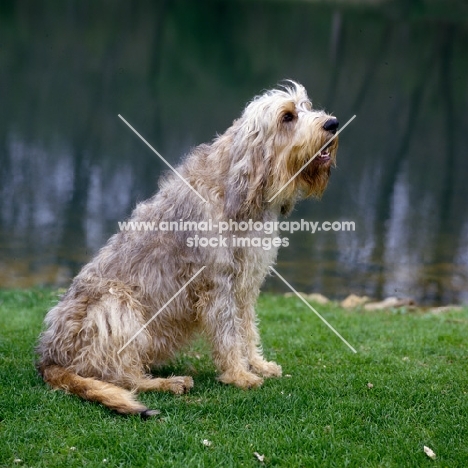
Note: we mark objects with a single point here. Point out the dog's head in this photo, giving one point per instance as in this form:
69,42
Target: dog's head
281,150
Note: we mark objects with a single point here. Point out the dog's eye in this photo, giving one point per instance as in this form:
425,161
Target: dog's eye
288,117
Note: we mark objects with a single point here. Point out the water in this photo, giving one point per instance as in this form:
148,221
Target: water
180,72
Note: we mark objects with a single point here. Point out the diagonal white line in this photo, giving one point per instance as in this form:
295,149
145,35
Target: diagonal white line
167,164
161,309
311,159
314,311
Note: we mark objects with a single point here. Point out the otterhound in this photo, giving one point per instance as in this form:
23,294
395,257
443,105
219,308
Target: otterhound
98,343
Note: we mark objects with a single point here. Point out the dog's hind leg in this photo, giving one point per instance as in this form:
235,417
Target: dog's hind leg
177,385
110,395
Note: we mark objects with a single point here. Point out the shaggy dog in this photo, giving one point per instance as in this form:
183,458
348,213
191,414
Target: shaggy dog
130,309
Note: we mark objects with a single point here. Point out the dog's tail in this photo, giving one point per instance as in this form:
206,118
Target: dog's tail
112,396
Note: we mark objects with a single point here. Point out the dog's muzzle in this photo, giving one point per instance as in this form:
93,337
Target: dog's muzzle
331,125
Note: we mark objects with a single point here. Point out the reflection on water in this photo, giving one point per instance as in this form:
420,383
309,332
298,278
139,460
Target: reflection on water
180,72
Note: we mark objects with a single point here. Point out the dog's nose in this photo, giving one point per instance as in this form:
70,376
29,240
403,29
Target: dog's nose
331,125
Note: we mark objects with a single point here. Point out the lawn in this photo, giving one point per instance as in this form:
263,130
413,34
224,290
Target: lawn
406,387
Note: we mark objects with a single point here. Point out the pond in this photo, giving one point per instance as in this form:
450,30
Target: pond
180,72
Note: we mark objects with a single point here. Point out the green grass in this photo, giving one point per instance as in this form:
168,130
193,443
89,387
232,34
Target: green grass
322,414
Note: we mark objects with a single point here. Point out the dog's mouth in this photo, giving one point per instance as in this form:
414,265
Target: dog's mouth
325,155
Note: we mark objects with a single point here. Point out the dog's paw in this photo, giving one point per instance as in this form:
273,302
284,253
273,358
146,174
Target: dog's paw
180,385
266,369
241,379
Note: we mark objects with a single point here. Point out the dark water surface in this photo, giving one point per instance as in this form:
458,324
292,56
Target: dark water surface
182,71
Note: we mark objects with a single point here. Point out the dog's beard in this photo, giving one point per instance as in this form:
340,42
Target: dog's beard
311,182
315,178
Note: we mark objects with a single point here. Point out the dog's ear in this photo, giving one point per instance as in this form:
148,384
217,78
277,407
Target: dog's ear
247,175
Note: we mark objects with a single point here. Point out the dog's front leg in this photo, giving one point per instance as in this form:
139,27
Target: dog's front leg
257,362
223,327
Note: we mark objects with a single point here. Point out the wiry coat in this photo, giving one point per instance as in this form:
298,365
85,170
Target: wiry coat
87,345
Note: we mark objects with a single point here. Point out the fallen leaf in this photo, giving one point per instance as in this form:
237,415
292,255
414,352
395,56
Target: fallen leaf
260,458
429,453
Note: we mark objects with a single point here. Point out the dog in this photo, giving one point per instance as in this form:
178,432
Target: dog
147,293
